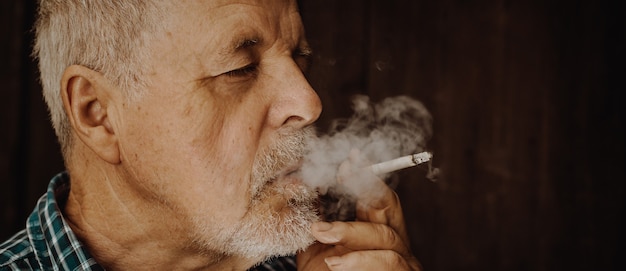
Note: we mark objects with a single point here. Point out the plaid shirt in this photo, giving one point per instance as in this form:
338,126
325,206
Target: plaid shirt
48,243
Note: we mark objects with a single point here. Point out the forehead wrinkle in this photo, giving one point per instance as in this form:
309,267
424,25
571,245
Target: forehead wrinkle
248,38
291,30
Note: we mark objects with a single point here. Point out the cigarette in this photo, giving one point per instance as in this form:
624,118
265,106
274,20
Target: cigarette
400,163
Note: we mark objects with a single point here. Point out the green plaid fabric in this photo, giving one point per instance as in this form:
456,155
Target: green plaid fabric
48,243
279,264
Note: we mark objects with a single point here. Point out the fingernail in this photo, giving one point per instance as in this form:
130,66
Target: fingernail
322,226
332,261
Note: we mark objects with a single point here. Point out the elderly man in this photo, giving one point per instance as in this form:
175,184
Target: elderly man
181,123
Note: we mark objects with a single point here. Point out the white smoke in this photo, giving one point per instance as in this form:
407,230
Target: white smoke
395,127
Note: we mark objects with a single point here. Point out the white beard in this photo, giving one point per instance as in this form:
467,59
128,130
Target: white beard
264,232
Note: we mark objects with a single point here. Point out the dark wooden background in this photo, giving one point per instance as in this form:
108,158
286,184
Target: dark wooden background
529,122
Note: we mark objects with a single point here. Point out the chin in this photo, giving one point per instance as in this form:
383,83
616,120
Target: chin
277,223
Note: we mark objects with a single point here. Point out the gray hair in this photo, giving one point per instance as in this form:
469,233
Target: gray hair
107,36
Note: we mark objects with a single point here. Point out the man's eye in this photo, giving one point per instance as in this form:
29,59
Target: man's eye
246,71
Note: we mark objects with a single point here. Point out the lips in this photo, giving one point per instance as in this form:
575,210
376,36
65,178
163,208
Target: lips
290,174
288,179
286,189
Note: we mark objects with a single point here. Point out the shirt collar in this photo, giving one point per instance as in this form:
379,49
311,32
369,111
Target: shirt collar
56,246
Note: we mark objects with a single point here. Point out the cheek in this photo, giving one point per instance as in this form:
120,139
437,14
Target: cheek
219,153
196,153
221,142
193,164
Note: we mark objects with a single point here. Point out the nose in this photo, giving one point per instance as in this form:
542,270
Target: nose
295,103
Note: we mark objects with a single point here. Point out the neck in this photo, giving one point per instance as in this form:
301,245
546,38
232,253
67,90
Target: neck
124,230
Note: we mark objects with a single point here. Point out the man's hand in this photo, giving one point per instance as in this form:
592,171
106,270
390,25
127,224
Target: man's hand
377,240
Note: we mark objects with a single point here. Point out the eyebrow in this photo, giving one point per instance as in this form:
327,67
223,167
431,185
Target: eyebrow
239,44
246,43
304,50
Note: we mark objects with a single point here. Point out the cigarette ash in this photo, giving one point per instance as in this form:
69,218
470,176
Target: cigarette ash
394,127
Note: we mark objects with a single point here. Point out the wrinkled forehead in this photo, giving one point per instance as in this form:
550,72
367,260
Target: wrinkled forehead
214,9
200,33
218,19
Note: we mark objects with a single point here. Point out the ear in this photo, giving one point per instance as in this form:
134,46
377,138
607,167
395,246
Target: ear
86,98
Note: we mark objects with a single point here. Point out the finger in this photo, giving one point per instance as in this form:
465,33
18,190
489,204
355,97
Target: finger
354,178
312,258
386,209
376,202
359,236
361,182
369,260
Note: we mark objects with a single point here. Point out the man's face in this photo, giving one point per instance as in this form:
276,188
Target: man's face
221,126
